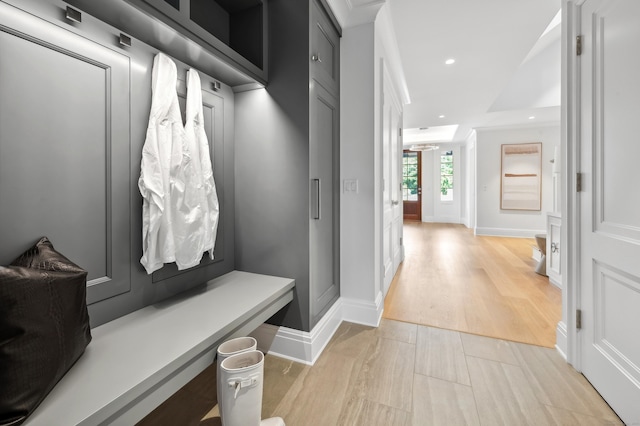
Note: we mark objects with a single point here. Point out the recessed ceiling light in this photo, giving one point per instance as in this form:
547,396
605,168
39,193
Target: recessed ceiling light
441,116
532,117
450,61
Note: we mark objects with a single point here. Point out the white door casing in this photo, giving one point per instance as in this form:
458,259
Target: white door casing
391,166
609,203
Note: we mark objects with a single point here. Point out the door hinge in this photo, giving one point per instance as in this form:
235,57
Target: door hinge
578,182
578,319
400,240
579,45
400,131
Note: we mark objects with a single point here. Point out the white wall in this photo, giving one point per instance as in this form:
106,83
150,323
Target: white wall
491,220
357,151
363,48
433,209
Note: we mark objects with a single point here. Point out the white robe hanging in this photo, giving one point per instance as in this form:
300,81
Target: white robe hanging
180,204
160,171
196,221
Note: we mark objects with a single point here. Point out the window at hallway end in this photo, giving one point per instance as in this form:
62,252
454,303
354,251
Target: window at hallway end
410,176
446,176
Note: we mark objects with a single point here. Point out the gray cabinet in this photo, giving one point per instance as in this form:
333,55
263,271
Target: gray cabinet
231,28
227,38
324,236
287,163
324,163
324,50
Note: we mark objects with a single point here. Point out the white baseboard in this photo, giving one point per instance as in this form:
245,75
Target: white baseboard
507,232
442,219
365,313
536,254
306,347
561,339
555,282
296,345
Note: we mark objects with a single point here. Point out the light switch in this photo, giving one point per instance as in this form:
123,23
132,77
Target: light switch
350,185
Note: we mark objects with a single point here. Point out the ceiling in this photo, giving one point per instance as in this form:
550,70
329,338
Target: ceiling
506,70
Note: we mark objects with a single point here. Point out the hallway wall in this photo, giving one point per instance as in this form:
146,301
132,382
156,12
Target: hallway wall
491,220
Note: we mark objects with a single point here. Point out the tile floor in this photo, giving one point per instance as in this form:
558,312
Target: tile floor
407,374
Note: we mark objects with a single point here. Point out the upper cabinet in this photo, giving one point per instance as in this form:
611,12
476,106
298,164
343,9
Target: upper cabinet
232,34
325,50
233,28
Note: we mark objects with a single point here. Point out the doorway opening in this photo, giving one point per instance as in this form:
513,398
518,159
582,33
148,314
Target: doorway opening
412,185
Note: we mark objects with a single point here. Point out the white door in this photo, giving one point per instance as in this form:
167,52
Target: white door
610,203
396,183
392,197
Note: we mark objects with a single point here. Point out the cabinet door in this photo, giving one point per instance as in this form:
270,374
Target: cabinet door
325,50
324,231
64,148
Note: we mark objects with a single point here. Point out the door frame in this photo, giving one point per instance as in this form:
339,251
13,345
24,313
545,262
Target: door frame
568,338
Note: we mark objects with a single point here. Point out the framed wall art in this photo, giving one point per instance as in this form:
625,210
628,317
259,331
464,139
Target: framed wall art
520,177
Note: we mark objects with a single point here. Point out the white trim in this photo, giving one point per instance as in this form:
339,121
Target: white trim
387,35
570,160
508,232
555,282
351,15
561,339
443,219
301,346
550,123
362,312
306,347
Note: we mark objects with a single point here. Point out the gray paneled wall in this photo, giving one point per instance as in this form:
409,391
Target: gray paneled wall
74,108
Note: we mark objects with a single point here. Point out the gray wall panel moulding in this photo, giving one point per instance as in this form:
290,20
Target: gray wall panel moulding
82,185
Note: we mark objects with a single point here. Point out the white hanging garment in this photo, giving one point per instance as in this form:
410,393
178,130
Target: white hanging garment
161,176
197,215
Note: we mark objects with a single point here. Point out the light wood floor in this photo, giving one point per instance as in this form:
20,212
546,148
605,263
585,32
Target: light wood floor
407,374
476,284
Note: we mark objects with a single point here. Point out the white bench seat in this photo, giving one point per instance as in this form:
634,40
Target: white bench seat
137,361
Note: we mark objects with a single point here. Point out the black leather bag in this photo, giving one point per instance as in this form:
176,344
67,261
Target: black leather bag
44,327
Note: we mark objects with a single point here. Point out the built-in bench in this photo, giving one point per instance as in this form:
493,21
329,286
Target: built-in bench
137,361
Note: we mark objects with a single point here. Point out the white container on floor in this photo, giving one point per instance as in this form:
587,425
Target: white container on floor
241,389
225,350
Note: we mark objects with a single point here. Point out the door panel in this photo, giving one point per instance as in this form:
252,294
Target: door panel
396,183
64,149
324,237
325,52
610,204
391,173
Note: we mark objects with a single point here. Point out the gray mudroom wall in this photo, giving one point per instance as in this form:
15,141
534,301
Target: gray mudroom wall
73,116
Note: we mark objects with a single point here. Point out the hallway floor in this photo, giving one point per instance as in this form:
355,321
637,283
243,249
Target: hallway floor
407,374
475,284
